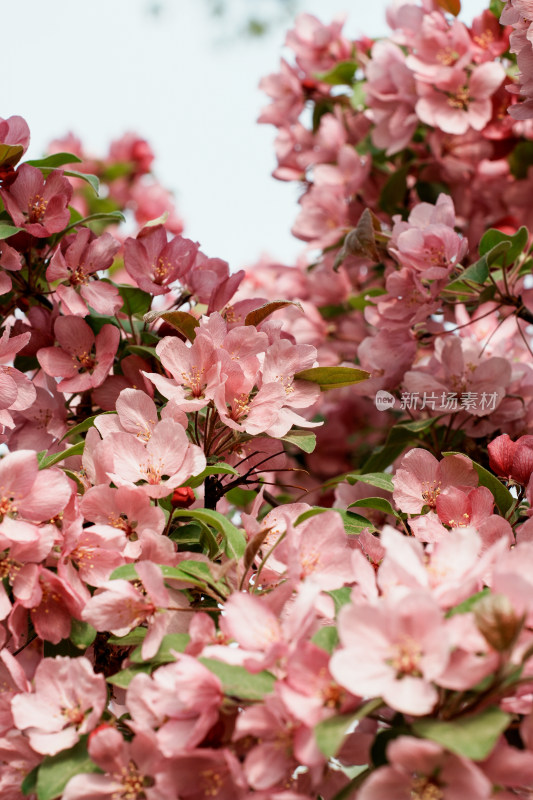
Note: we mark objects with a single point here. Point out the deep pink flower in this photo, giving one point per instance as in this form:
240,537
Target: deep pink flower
154,263
37,204
75,262
82,360
512,460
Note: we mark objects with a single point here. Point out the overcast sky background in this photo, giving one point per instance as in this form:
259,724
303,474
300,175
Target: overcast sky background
180,79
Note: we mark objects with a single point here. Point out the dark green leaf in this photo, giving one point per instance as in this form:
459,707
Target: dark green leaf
512,245
92,180
81,427
472,737
56,458
82,635
134,637
54,161
259,314
393,193
522,156
332,377
238,682
7,230
379,503
125,676
172,641
183,322
29,784
330,733
234,541
353,523
143,351
302,439
342,74
136,301
56,771
382,480
214,469
107,216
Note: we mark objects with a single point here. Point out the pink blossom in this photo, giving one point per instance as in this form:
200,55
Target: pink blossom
512,460
67,702
82,360
154,263
462,101
37,204
418,767
75,262
421,478
133,769
394,650
166,460
16,390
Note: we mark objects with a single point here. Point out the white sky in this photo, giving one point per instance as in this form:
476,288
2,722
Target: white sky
109,66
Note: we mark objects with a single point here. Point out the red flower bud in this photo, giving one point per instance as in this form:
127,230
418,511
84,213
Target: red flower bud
183,497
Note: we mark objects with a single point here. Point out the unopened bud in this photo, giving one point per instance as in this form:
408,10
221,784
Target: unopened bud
497,620
183,497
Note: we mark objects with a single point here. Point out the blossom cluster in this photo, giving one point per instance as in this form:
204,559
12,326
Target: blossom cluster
227,571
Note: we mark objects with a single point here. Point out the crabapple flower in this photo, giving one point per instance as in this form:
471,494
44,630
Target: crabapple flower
67,701
512,460
75,262
420,768
82,360
166,461
17,392
420,479
154,263
37,204
393,649
134,770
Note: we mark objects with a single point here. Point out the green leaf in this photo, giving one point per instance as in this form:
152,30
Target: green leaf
82,635
7,230
240,497
134,637
382,480
353,523
342,74
136,301
125,676
361,301
172,641
183,322
54,161
326,638
56,771
10,154
514,244
259,314
215,469
107,216
393,193
522,156
496,7
234,542
81,427
29,784
302,439
340,597
238,682
332,377
50,461
503,497
473,737
143,351
330,733
468,604
379,503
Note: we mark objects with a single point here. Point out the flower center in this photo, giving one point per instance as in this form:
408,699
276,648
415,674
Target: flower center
37,208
